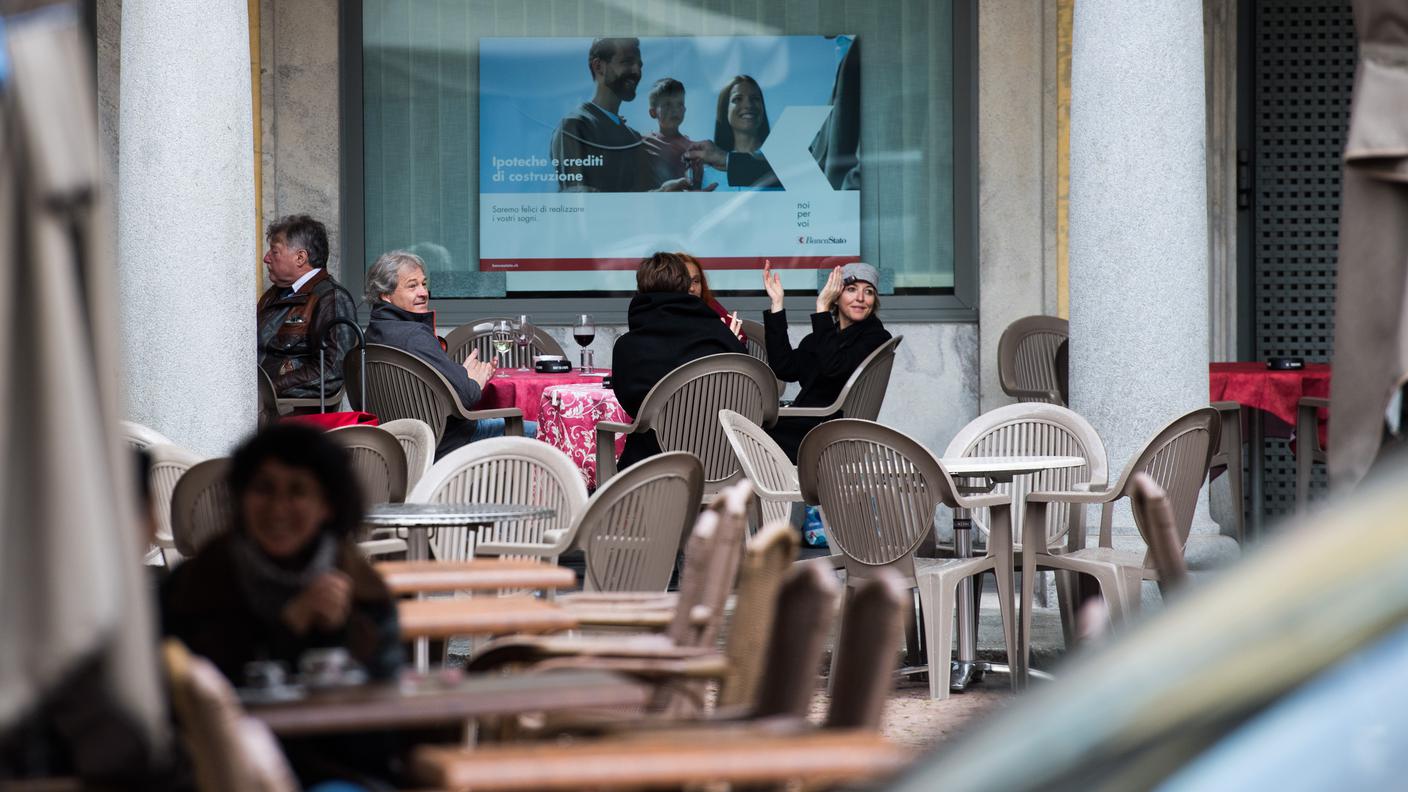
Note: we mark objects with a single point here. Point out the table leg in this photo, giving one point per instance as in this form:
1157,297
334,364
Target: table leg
418,549
1256,449
964,669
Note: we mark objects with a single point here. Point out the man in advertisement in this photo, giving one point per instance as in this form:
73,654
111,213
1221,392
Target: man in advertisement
593,148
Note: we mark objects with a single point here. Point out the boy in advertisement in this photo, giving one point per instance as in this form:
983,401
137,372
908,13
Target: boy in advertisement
665,148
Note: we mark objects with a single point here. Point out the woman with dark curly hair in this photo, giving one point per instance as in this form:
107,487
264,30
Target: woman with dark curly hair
287,577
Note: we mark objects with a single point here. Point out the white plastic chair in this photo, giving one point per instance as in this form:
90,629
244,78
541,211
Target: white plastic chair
765,464
142,437
506,470
168,464
417,440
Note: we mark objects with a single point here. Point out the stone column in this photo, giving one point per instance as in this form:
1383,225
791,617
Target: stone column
1139,229
187,246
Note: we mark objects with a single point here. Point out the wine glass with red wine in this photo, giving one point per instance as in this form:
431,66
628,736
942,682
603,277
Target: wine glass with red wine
583,332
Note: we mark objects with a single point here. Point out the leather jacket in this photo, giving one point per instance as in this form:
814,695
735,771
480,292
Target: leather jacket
289,326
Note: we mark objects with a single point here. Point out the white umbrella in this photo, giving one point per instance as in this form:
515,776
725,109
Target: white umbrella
71,591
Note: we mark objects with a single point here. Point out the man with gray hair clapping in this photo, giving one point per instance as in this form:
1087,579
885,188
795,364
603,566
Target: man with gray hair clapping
399,294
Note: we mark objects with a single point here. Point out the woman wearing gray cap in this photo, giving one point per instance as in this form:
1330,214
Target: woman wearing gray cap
845,330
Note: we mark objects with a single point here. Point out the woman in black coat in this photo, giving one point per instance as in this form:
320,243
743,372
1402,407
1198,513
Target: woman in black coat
845,330
668,327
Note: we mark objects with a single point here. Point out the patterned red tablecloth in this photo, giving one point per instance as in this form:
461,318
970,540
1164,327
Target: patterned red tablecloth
567,419
524,390
1274,392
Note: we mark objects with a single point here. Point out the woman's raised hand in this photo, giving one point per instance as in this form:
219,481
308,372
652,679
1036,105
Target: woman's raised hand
773,283
829,292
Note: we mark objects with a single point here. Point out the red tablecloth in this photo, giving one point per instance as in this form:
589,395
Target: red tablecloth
524,390
567,419
1274,392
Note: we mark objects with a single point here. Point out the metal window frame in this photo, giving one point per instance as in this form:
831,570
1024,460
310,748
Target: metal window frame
958,307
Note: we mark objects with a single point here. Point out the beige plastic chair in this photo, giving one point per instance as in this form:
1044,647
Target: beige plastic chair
137,436
168,464
229,751
870,638
201,505
631,528
378,461
1154,516
765,464
506,470
711,563
401,385
1026,358
1177,460
1309,451
417,442
478,334
683,410
1038,429
1228,459
863,393
878,489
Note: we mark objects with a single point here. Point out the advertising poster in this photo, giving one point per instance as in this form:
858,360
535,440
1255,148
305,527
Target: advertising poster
733,149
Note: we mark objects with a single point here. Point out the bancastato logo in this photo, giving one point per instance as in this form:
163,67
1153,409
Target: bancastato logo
829,240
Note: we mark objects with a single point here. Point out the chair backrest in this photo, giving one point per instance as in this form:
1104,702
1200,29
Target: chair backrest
631,528
1034,429
1177,459
867,648
138,436
864,392
757,610
417,440
756,333
201,506
378,462
230,752
1154,517
683,409
268,398
711,559
401,385
1026,357
168,464
479,333
764,463
877,489
505,470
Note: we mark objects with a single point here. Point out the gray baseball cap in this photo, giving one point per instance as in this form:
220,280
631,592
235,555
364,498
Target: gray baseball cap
860,271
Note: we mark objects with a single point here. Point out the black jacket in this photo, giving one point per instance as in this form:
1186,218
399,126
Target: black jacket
666,330
415,333
822,363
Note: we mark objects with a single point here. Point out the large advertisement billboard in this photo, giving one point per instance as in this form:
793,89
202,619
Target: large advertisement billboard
594,154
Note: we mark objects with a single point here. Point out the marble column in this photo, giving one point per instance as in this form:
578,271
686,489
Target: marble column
187,243
1139,230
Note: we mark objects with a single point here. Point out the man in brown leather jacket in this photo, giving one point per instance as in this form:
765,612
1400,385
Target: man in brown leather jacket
298,309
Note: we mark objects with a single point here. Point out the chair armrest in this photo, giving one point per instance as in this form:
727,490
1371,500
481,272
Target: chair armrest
606,447
808,412
1074,496
1052,396
500,412
983,501
1314,402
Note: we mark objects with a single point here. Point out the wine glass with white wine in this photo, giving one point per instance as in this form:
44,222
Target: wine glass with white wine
502,340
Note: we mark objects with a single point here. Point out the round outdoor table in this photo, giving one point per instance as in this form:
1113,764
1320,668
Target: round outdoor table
567,419
523,389
980,474
419,519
